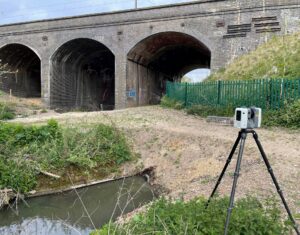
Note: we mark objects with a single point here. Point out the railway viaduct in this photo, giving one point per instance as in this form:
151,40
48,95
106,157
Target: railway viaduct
123,59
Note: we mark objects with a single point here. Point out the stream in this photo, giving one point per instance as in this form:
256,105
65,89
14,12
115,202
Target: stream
75,212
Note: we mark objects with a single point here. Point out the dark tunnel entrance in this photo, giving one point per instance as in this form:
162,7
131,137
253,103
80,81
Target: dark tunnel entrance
83,76
159,58
21,71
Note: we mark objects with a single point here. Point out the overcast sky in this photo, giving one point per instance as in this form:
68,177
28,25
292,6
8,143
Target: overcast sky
13,11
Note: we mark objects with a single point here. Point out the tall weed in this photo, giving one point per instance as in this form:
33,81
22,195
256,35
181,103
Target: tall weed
167,217
6,112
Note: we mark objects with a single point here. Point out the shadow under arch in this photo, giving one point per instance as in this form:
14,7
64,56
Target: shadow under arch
82,76
21,72
162,57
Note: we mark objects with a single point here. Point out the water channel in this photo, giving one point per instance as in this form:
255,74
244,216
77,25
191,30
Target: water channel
75,212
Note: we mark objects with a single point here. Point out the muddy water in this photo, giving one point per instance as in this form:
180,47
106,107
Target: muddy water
68,213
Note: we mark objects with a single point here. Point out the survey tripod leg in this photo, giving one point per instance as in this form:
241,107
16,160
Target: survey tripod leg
235,179
225,168
270,170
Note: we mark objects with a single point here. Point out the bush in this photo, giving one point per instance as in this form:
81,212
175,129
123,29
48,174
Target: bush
19,135
101,145
25,150
166,217
288,117
6,112
204,111
171,103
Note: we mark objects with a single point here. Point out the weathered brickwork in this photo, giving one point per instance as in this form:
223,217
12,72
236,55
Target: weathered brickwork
216,31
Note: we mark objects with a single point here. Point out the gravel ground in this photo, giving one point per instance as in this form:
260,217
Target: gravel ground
188,153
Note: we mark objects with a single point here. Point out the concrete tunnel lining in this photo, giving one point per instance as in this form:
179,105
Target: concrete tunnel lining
162,57
83,76
23,71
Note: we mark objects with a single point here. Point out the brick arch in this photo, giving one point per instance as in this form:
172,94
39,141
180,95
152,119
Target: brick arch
82,75
63,41
22,76
192,33
161,57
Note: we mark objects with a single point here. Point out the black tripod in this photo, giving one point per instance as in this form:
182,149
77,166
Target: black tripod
242,138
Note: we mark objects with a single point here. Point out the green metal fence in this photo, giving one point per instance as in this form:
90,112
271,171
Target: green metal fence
264,93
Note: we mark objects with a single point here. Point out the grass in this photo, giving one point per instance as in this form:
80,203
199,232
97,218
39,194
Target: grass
277,58
25,151
287,117
165,216
7,112
198,110
204,111
170,103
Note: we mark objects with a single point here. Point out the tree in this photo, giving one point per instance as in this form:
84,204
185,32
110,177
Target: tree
186,79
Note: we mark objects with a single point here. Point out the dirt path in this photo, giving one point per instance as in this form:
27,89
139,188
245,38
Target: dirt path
189,153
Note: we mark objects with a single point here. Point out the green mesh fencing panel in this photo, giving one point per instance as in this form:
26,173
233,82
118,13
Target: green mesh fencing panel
264,93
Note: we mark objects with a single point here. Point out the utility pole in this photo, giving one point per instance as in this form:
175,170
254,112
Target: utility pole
136,4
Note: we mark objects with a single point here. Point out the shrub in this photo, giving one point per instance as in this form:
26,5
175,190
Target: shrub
171,103
100,145
16,134
25,150
166,217
288,117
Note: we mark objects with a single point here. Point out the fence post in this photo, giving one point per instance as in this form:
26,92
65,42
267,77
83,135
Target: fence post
219,92
270,93
282,94
186,94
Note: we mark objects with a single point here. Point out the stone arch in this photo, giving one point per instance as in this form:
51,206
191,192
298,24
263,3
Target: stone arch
161,57
82,76
22,70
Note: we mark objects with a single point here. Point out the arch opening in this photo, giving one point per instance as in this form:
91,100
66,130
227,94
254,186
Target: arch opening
21,75
83,76
196,75
162,57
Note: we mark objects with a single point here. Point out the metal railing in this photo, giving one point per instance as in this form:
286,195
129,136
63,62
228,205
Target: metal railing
264,93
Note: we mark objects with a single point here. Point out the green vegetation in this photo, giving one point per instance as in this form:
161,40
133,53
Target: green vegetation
170,103
6,112
186,79
288,117
277,58
166,217
25,151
